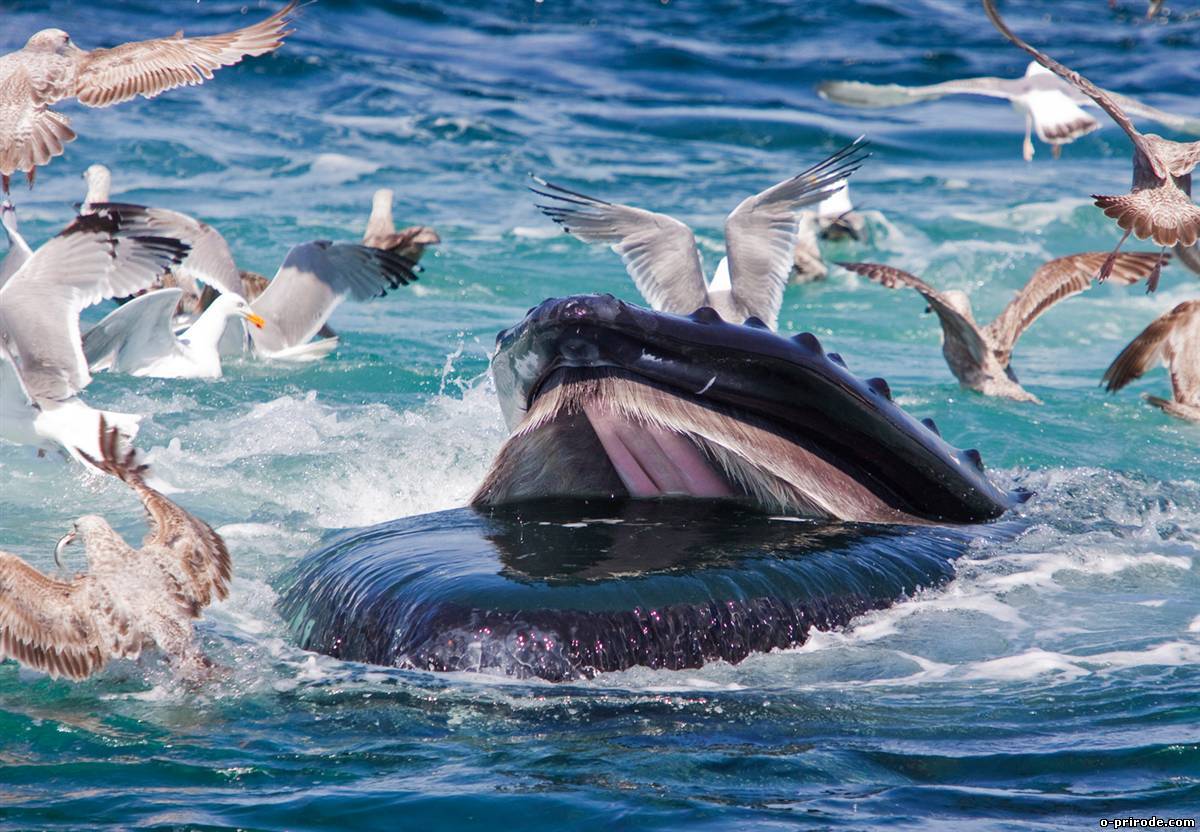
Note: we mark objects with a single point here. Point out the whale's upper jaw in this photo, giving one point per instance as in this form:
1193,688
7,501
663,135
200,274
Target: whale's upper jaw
607,398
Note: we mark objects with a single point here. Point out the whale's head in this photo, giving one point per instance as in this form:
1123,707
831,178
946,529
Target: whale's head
606,399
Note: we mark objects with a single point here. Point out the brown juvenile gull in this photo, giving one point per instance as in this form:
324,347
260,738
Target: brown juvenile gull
114,251
979,356
51,68
1051,106
128,600
660,252
1173,339
381,230
1160,204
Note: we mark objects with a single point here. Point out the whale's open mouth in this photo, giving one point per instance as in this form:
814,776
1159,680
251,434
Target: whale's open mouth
606,399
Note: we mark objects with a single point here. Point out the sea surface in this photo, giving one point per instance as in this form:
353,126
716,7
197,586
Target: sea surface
1053,683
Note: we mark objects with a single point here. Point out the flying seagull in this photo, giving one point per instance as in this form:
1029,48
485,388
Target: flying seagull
113,252
979,356
128,600
660,252
51,68
1051,106
1160,205
1173,339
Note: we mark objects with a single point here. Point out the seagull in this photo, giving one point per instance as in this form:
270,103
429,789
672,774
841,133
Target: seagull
1173,339
1160,204
833,219
18,250
209,261
129,599
112,252
979,356
381,230
139,337
1153,7
51,68
1052,107
660,252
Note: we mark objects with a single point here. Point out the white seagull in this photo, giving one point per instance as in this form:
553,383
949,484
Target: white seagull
115,251
660,252
1051,106
51,68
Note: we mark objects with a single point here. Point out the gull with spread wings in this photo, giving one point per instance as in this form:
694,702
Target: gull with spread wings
1052,107
115,251
51,68
129,599
980,356
660,252
1160,205
1173,339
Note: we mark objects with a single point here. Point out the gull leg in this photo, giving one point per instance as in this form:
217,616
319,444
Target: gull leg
5,181
1056,150
1027,147
1111,260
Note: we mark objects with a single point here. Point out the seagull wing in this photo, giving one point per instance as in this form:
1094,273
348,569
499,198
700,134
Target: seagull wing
109,76
110,253
203,566
862,94
952,320
210,261
31,134
1058,280
1133,107
135,334
659,251
314,278
1103,100
18,250
1173,338
63,628
760,234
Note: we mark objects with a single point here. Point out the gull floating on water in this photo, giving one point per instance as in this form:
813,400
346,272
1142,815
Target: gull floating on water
1160,204
833,219
1051,106
660,252
381,230
1173,339
51,68
115,251
129,599
18,250
979,356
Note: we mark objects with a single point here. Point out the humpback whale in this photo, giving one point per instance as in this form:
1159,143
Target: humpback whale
633,515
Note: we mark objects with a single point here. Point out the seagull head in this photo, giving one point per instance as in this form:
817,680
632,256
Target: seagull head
232,305
1035,68
960,302
54,41
87,527
99,183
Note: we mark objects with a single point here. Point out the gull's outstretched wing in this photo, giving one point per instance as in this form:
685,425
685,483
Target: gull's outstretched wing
659,251
1174,339
760,234
201,560
952,320
863,94
135,334
61,628
110,253
314,278
147,68
1058,280
31,134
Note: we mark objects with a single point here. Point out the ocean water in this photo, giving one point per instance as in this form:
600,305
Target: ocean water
1054,682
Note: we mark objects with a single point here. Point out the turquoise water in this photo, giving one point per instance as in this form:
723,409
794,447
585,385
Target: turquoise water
1053,683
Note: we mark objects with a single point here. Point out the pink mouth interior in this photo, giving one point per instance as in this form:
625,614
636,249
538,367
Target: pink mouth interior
653,462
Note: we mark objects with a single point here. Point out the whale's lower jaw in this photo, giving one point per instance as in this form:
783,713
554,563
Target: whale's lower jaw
608,433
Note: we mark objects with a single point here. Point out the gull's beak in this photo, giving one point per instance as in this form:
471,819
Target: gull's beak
257,320
63,543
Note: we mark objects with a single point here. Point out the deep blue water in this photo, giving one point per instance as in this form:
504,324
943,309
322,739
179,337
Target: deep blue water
1053,683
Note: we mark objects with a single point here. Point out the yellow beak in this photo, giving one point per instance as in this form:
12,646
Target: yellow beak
257,320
